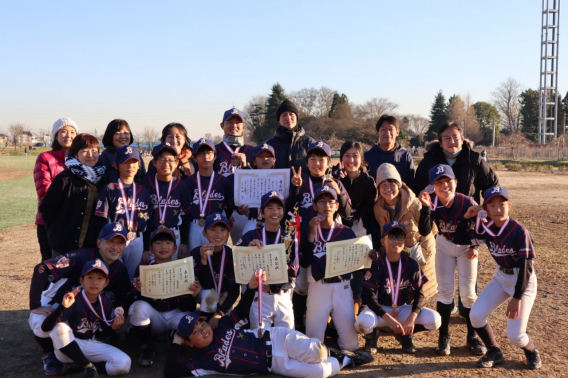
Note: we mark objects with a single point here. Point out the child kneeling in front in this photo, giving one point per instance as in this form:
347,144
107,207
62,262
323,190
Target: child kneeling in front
230,350
386,289
155,316
74,325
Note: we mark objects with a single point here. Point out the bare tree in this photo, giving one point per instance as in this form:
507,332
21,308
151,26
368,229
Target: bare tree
217,139
373,109
150,136
307,101
324,101
417,124
461,110
515,140
506,99
16,130
255,114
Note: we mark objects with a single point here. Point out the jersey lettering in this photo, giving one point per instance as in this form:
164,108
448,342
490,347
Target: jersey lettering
306,200
140,205
223,356
171,202
497,251
214,195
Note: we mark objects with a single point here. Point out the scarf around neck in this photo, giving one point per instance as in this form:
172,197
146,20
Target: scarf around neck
234,140
86,173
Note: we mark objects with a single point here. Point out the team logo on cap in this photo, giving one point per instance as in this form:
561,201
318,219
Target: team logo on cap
496,189
274,194
395,223
200,141
167,144
440,170
217,217
98,264
235,111
265,146
319,144
326,189
128,150
189,318
118,227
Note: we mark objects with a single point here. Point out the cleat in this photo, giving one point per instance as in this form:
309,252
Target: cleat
444,346
357,358
146,357
90,371
533,359
493,357
51,365
476,346
371,340
407,345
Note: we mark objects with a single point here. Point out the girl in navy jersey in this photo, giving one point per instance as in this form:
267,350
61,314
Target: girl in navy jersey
327,295
512,247
276,299
446,208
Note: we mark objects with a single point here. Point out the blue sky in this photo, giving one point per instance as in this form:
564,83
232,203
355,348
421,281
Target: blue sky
152,63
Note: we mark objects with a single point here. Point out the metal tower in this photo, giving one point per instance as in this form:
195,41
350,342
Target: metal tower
548,93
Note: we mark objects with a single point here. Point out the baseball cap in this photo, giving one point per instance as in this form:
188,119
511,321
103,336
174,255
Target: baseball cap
273,195
96,264
201,143
323,190
391,226
215,218
163,146
113,229
162,230
495,191
320,145
124,153
232,112
263,147
440,170
187,324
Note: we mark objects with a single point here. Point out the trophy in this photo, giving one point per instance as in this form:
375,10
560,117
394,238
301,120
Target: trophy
290,231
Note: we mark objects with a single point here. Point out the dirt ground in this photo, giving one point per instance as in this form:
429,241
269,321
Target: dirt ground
540,202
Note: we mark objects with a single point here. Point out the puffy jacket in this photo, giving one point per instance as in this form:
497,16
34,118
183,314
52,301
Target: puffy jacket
408,216
399,156
290,147
111,174
363,194
473,174
48,165
68,210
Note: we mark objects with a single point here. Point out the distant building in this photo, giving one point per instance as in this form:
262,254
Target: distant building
27,138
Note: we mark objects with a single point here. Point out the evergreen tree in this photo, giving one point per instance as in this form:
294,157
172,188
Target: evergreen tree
487,115
529,114
438,115
266,130
337,100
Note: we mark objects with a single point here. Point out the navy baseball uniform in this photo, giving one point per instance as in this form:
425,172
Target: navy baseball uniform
277,301
111,206
222,164
170,205
380,297
331,295
229,291
240,352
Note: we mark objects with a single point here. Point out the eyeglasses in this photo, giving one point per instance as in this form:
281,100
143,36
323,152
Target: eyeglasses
327,203
164,161
398,238
450,138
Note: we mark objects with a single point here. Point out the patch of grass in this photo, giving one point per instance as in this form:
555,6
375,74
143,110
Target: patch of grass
17,162
18,201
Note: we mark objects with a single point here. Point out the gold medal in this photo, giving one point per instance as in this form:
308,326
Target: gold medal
201,222
394,305
131,236
162,222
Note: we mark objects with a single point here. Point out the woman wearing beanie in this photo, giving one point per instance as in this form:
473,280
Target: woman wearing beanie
117,134
48,165
290,141
68,207
396,202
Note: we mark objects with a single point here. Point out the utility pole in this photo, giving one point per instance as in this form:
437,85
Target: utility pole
493,142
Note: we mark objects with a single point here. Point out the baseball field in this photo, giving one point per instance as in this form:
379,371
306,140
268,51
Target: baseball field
540,201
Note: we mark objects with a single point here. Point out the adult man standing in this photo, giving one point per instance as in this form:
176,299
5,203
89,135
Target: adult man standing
388,151
290,141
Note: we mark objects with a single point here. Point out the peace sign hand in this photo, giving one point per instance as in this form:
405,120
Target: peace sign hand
340,172
297,176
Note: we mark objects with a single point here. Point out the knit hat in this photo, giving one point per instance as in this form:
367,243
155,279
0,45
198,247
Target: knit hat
388,171
286,106
62,122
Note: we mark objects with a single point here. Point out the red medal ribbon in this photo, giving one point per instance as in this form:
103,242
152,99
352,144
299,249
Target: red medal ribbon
203,203
104,319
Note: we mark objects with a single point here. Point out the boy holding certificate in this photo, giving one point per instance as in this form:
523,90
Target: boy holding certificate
276,300
229,349
327,295
213,267
170,199
155,316
210,191
387,287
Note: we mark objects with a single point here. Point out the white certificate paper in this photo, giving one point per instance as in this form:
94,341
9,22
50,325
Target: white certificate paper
251,184
167,280
347,256
271,258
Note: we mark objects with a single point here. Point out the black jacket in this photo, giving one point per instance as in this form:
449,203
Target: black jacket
290,147
473,174
68,210
363,193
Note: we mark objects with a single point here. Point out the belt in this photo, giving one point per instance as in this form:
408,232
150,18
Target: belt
266,336
276,291
509,271
335,279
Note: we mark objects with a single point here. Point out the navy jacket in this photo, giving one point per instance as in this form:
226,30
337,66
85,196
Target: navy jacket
400,157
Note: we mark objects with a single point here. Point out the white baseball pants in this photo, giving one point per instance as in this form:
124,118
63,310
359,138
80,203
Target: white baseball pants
142,313
296,355
196,238
368,320
335,299
132,255
499,290
276,308
117,362
448,257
